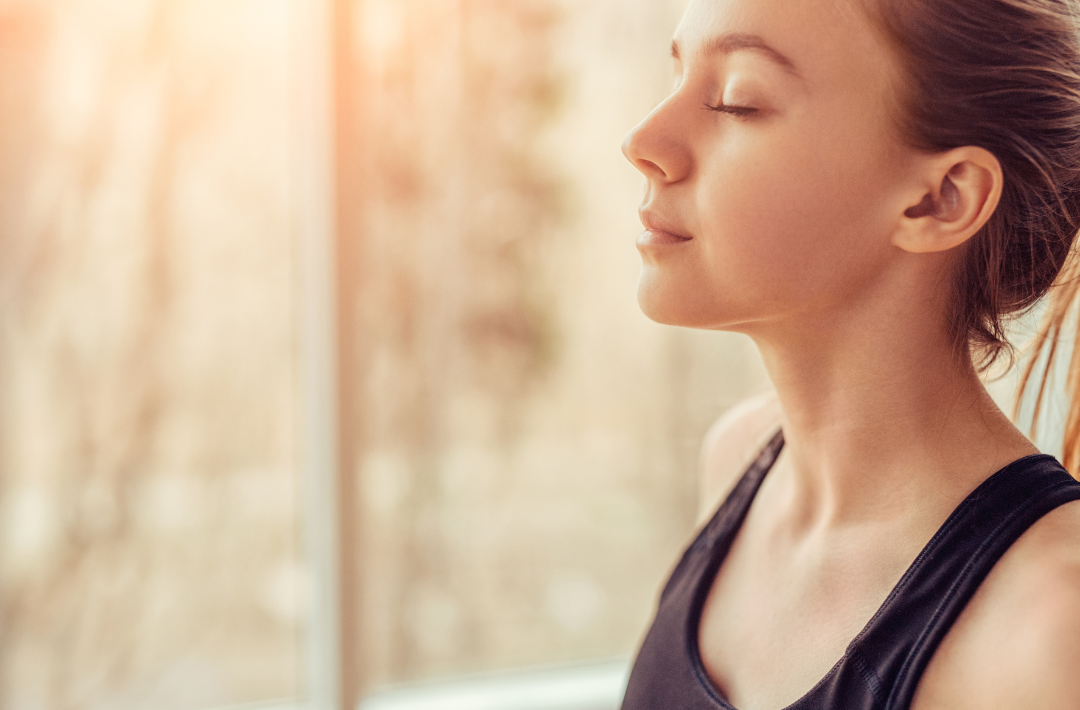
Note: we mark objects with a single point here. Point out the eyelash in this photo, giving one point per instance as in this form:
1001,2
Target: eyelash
734,111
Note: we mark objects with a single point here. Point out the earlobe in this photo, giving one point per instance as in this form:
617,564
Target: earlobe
965,186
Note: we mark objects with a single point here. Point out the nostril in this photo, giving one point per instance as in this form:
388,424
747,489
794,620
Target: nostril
649,169
644,140
648,166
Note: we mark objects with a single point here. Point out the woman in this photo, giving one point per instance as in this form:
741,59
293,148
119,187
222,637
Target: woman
868,189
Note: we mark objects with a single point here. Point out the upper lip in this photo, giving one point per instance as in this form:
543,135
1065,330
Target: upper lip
656,223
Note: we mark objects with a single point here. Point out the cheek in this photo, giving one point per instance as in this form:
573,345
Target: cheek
792,225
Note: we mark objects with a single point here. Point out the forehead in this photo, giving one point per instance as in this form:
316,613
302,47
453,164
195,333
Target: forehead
828,42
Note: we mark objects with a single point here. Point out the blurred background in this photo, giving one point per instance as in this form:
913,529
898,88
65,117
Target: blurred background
433,319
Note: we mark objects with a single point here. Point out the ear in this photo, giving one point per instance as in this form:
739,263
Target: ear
955,194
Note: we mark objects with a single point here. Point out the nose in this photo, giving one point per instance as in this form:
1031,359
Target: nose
657,146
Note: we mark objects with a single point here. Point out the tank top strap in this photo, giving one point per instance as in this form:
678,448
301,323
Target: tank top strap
729,517
894,649
710,545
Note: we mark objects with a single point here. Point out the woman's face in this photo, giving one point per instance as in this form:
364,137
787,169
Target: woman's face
773,168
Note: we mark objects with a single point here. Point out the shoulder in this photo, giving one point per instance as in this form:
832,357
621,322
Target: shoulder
731,443
1017,643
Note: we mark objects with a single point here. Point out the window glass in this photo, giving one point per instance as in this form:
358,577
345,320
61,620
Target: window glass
147,424
523,439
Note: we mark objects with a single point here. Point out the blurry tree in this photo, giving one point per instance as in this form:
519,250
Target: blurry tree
519,458
146,359
448,208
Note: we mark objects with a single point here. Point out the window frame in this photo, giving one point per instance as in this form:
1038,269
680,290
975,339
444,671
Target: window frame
316,236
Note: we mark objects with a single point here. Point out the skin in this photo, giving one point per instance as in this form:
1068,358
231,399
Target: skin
801,219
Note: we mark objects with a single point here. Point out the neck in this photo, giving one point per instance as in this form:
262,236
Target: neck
878,414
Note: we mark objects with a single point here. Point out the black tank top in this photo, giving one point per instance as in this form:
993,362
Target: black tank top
882,666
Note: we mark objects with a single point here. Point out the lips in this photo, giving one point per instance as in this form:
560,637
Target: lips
659,231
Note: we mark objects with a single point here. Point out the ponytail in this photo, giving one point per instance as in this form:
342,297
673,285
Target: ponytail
1063,300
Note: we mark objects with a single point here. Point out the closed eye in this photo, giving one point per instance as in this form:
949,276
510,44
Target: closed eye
735,111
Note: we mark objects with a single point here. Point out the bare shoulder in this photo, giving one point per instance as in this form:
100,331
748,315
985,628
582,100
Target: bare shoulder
731,444
1017,643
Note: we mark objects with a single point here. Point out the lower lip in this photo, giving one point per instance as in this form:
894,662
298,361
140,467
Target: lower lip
651,238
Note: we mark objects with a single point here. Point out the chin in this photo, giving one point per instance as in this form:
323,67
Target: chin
670,303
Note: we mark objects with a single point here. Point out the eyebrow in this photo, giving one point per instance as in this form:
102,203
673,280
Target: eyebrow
739,41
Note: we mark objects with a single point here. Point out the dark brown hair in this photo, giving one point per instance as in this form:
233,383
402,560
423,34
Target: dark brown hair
1003,75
